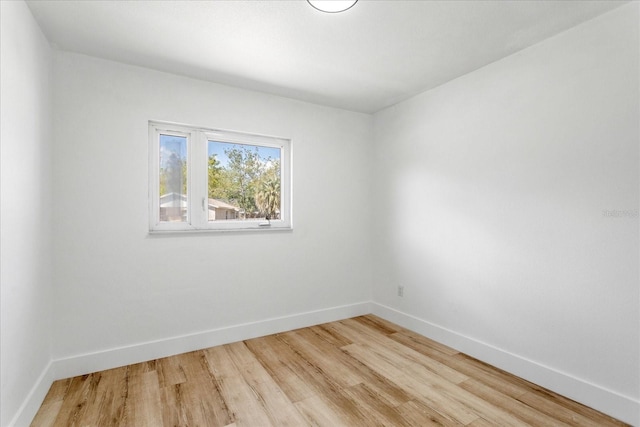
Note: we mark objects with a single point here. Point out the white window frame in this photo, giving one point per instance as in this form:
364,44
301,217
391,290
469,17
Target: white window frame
197,175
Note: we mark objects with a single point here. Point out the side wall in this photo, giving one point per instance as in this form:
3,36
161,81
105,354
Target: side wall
514,192
25,191
120,290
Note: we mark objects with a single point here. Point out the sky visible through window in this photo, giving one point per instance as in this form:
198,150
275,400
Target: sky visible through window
170,145
218,149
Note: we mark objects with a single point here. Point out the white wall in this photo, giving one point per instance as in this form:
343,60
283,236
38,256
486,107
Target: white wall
498,181
25,190
117,286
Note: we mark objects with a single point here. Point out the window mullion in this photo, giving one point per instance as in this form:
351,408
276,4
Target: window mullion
195,180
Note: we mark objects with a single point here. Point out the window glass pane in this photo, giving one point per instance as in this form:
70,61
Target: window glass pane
173,178
243,182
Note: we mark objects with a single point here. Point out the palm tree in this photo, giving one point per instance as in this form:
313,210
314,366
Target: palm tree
268,197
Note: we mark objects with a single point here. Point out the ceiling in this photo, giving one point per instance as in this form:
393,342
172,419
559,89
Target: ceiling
372,56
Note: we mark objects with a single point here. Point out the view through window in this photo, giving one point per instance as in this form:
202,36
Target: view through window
173,178
243,181
208,179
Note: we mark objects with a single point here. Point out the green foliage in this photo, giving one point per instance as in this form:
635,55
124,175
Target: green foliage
243,171
268,195
217,179
248,181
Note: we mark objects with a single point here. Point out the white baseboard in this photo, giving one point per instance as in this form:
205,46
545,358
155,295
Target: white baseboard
112,358
621,407
34,399
86,363
616,405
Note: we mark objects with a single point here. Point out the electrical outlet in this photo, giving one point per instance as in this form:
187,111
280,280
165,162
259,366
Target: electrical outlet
400,291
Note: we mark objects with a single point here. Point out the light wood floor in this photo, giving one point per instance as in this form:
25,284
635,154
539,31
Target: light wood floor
357,372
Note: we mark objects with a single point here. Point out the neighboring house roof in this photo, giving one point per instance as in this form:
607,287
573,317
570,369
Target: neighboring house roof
217,204
169,199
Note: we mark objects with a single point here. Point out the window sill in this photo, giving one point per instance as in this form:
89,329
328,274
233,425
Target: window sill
256,230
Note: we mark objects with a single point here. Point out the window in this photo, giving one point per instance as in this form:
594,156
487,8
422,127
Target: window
205,179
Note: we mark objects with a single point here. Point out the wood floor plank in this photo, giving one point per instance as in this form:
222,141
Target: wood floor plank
140,368
491,376
419,388
175,408
47,414
75,401
242,401
378,409
472,368
359,372
576,407
387,347
107,406
250,392
335,370
292,374
518,409
418,414
320,412
170,371
422,344
321,381
329,336
330,360
202,391
308,367
336,409
275,404
481,422
378,324
363,371
145,406
563,413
